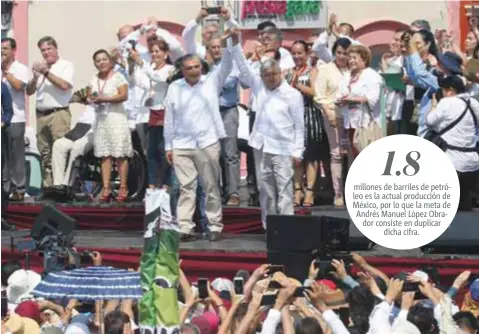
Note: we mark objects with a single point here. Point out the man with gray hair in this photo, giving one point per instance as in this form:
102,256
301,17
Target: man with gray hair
209,30
193,129
278,133
420,24
229,98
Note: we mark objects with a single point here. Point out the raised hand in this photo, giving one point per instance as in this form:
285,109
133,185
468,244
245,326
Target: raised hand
225,13
201,15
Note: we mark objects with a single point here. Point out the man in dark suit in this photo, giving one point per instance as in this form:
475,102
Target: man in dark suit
7,113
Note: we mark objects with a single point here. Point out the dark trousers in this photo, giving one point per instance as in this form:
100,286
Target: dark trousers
252,182
407,125
5,194
468,184
159,169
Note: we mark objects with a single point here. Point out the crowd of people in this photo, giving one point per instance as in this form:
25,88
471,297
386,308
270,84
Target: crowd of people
307,104
368,302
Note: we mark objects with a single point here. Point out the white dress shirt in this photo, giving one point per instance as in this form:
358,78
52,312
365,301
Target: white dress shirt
21,73
279,124
189,36
192,116
394,99
286,62
50,96
154,85
322,49
464,134
368,85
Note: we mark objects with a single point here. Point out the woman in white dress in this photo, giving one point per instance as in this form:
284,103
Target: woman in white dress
107,91
359,93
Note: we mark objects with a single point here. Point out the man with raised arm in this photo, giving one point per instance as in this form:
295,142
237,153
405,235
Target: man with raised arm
278,133
209,30
192,130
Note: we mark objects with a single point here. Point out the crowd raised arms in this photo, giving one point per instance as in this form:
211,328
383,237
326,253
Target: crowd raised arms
173,109
306,104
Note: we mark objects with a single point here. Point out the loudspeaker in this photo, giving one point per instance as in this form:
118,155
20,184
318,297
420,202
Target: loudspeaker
461,237
291,240
296,264
357,241
51,222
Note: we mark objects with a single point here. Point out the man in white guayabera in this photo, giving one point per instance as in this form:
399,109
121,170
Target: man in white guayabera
278,133
192,129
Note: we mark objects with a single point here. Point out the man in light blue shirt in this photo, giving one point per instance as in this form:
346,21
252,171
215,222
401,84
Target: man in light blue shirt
229,98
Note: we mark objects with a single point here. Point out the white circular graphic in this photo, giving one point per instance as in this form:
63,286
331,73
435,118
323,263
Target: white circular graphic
402,192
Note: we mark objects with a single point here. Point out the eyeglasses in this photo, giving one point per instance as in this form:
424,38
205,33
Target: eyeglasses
271,75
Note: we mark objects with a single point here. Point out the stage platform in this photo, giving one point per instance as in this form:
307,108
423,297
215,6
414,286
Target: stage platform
129,216
116,231
203,258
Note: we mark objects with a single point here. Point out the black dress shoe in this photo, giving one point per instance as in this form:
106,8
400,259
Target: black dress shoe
215,236
187,237
7,227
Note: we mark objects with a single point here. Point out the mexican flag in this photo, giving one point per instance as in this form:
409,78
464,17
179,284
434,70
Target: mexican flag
159,269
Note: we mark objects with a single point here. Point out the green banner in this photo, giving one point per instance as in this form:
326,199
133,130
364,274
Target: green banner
159,269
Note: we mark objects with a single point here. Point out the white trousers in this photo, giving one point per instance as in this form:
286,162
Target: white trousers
61,169
274,174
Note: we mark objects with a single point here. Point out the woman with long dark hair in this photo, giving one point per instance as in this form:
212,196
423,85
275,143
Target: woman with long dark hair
107,91
301,77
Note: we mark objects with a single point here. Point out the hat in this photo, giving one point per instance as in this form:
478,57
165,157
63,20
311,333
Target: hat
453,81
77,328
328,283
452,61
265,24
28,309
20,285
474,289
206,323
222,284
19,325
421,275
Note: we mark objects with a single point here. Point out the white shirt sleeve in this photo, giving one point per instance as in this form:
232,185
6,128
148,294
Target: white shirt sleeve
66,72
169,118
21,73
334,322
271,322
373,84
247,74
140,77
379,320
297,114
320,47
176,49
435,116
189,36
231,23
223,71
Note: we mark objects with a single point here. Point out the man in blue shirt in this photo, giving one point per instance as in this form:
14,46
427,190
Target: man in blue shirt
229,98
7,114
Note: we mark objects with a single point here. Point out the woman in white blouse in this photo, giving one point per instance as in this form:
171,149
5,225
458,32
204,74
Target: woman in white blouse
107,91
359,93
152,78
